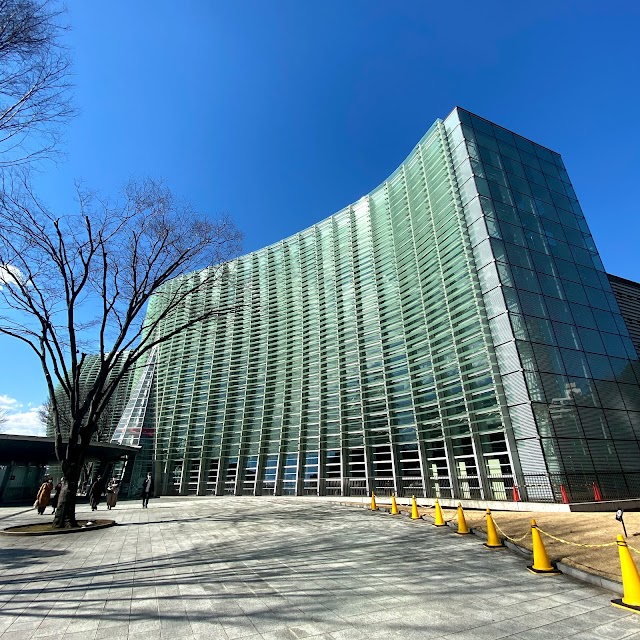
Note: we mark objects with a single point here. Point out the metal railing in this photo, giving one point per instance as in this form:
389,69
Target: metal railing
581,487
553,488
550,488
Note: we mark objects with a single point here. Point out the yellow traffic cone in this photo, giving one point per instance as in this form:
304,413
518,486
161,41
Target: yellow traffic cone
394,505
374,506
493,540
439,522
463,529
541,562
630,579
414,509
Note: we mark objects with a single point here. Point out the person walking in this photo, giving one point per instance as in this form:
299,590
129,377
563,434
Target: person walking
56,496
44,495
147,490
112,493
95,493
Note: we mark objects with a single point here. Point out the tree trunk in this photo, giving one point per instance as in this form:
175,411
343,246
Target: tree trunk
66,509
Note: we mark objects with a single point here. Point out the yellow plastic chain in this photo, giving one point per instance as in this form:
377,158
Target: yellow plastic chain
433,515
431,512
509,537
550,535
577,544
563,541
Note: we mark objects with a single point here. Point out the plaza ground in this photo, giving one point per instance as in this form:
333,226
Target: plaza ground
282,568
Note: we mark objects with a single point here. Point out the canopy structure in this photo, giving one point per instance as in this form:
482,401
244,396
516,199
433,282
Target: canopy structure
24,461
36,450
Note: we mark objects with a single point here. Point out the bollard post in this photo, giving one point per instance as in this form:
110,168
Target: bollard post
541,562
630,579
620,519
463,529
374,506
597,496
493,540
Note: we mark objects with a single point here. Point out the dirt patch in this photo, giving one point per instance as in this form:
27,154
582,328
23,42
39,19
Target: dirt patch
44,529
578,528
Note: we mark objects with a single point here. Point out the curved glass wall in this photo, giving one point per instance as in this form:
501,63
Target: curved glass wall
450,334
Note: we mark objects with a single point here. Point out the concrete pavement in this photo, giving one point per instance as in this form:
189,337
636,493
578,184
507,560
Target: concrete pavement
282,569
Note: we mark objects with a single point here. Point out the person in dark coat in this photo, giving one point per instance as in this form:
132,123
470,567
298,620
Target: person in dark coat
95,493
54,500
147,490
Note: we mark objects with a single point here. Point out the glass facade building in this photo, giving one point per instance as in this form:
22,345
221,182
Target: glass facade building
451,334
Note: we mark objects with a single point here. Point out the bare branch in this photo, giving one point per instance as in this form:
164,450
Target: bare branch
34,81
102,282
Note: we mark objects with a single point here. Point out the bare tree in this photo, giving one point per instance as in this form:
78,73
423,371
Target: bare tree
3,417
34,80
45,416
44,413
80,284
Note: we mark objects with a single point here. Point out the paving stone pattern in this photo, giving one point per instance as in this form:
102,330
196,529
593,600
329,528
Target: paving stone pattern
282,569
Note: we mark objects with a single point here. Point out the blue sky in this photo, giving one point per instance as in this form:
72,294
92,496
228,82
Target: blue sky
283,112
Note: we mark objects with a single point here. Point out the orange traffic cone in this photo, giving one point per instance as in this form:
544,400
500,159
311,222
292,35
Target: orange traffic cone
516,493
493,541
541,562
463,528
414,509
394,505
597,496
630,579
564,494
439,518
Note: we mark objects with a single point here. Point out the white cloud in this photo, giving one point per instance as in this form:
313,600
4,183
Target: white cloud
20,420
7,403
10,275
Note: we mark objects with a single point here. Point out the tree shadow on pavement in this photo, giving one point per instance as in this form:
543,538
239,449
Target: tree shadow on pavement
277,567
15,558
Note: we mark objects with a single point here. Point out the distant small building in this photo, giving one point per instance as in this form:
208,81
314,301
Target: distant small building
627,293
115,408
